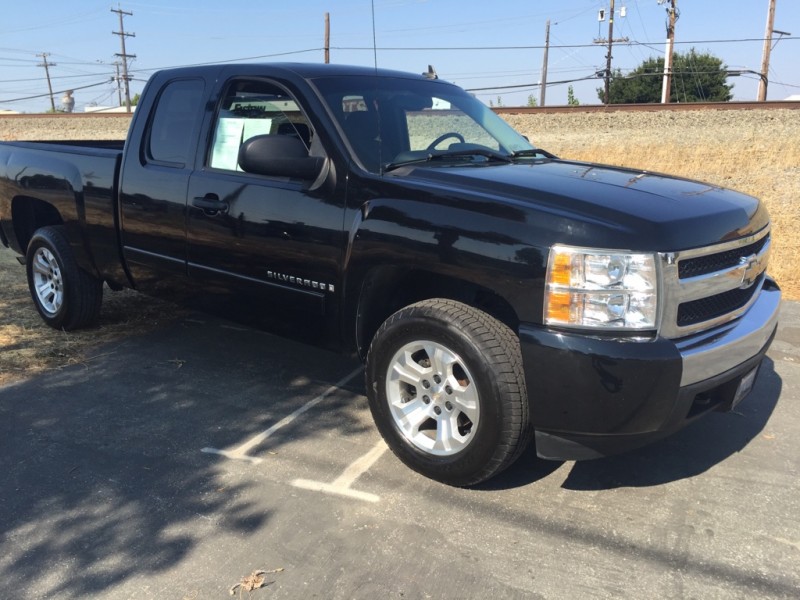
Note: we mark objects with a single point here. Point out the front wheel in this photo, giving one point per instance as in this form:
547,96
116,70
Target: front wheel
66,296
447,392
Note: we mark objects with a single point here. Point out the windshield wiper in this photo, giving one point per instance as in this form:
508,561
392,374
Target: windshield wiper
451,154
485,152
532,153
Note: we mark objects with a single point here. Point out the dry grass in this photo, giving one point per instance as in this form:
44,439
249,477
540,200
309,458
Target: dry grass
775,181
755,152
29,347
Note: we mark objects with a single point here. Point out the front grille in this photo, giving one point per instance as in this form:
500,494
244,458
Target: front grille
705,309
703,286
703,265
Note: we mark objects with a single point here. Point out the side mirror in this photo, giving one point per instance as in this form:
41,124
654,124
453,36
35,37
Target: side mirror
279,156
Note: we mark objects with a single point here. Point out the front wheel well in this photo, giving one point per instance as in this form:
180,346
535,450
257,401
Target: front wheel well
387,290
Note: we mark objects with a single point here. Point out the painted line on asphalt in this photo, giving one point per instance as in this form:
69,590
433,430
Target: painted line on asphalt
341,485
240,452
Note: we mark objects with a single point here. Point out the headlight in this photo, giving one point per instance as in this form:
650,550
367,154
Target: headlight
589,287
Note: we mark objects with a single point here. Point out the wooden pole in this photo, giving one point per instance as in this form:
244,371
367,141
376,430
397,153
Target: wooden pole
666,88
543,91
327,38
762,85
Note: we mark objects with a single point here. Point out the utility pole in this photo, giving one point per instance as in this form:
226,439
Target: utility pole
47,66
327,38
666,88
610,42
124,55
606,93
543,91
117,79
762,85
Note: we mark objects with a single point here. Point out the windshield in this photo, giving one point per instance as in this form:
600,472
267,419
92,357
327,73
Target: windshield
390,121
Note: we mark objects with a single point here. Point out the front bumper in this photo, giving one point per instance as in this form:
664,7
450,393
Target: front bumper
593,396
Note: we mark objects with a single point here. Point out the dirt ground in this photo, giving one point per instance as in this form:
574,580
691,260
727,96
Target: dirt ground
29,347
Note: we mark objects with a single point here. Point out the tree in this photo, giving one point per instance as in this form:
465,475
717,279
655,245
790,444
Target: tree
135,100
571,99
695,78
531,100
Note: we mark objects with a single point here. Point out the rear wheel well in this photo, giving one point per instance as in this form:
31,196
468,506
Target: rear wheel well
387,290
30,214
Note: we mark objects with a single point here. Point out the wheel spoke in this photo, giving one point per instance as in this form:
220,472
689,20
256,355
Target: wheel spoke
444,435
441,359
40,265
407,371
43,289
412,415
466,400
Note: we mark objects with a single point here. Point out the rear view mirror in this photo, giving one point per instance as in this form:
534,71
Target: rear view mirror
279,156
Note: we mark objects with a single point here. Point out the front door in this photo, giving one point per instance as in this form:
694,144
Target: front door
260,244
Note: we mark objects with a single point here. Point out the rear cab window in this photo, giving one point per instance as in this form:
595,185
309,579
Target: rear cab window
175,124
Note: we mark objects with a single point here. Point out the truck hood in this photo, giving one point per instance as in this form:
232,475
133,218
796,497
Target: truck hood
640,207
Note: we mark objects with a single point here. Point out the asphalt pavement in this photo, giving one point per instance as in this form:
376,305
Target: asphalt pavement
174,464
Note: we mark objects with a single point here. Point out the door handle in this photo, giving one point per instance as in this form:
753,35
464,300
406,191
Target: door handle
211,204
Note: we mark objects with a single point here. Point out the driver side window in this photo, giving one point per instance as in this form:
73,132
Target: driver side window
251,108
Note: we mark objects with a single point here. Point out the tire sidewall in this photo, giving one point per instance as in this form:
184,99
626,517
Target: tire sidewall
457,469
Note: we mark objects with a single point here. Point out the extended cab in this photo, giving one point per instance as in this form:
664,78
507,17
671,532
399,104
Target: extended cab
496,292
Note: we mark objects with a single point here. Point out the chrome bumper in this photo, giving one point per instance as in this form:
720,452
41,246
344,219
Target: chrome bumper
713,352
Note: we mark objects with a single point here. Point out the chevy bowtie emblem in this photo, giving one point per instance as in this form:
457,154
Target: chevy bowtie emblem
752,269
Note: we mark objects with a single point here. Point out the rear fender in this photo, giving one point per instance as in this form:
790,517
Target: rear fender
49,193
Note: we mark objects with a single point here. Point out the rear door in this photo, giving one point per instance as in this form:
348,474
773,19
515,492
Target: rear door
158,165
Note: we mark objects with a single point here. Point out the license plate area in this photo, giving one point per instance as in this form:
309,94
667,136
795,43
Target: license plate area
745,387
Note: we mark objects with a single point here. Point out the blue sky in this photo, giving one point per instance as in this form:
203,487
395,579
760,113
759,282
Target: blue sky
459,37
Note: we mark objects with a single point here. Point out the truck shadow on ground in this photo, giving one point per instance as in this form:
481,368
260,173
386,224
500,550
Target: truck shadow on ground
687,453
101,475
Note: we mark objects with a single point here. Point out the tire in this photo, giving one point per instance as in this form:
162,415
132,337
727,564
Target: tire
66,296
447,392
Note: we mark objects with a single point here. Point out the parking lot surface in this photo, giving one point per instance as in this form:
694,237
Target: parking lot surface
174,464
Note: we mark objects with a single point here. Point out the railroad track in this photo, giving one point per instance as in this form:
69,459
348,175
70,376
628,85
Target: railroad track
94,115
532,110
513,110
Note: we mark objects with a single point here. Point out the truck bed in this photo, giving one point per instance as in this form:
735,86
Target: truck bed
76,178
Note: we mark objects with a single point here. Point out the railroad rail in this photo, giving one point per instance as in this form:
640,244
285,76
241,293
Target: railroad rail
513,110
673,106
90,115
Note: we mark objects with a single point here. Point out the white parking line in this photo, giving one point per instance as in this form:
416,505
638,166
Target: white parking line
341,485
240,452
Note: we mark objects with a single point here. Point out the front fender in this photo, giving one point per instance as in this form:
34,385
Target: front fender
443,247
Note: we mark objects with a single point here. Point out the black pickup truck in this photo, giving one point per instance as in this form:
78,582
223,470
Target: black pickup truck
496,292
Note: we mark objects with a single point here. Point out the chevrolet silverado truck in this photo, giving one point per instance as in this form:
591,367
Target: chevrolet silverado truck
497,293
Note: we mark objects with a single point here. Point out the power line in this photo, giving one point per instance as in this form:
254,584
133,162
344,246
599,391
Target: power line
50,94
540,47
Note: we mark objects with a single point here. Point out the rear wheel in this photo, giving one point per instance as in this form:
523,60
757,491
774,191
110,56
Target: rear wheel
65,296
447,391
